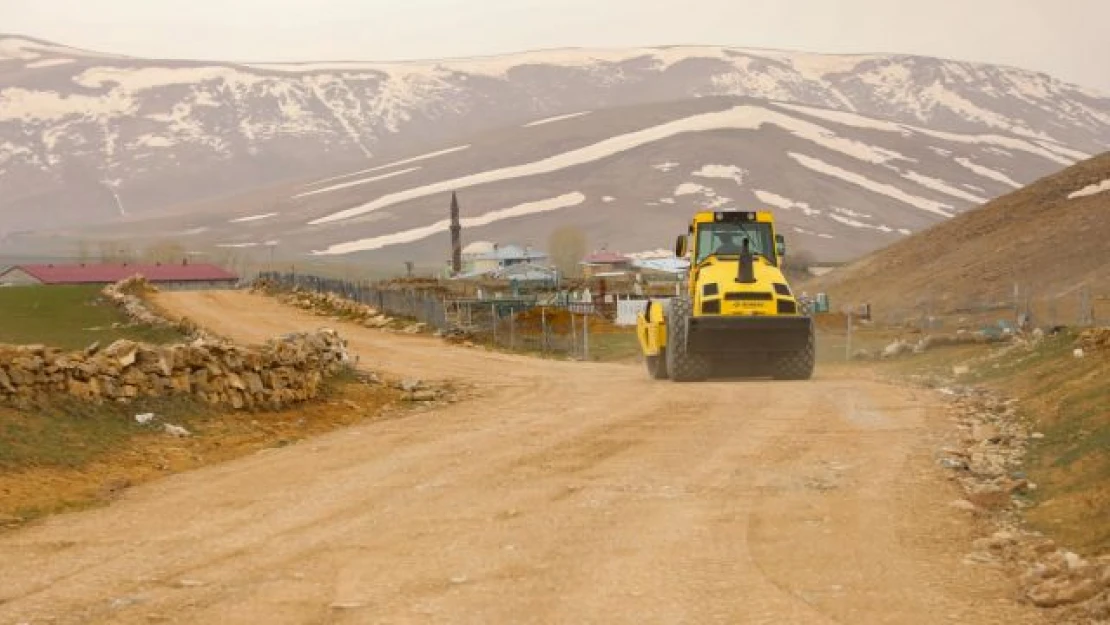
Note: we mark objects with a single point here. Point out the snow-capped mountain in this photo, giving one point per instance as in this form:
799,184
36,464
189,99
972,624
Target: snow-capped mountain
90,138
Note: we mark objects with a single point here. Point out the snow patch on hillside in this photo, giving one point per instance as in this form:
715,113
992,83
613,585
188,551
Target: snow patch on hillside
240,220
812,233
785,203
154,141
939,185
712,199
818,66
728,172
406,161
859,121
665,167
1090,190
875,187
689,188
557,118
1063,150
415,234
144,78
853,219
743,117
47,106
355,183
49,63
987,172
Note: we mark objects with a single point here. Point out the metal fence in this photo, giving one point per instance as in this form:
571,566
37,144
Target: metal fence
576,329
552,324
1019,305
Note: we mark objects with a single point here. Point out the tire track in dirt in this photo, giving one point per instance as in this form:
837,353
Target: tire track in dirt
561,492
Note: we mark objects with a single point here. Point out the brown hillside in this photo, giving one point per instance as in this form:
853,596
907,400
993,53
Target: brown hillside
1036,237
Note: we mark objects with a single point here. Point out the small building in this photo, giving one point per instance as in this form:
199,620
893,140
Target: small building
166,276
671,265
606,264
483,257
475,257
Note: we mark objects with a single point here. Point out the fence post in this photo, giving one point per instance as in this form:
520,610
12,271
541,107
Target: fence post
493,315
848,342
543,329
573,335
512,329
586,336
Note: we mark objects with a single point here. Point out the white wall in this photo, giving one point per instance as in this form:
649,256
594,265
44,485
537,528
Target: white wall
627,309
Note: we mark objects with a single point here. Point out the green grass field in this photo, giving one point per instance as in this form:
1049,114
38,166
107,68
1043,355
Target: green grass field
69,317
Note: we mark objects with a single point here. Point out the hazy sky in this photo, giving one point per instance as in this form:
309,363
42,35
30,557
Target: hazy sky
1067,38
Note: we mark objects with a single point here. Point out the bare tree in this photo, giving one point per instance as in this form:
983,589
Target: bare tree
115,252
567,247
799,262
164,252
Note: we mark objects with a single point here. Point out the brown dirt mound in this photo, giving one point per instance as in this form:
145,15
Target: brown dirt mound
558,321
1095,339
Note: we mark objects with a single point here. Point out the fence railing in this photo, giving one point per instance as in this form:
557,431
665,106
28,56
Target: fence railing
1025,307
551,326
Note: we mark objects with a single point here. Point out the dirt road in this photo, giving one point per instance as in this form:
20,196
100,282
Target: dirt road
564,493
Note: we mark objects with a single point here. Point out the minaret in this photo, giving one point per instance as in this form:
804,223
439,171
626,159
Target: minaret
456,236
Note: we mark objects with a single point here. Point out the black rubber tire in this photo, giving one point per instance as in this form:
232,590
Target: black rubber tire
657,366
797,365
681,365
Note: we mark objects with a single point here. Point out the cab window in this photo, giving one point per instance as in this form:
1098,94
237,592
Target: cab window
726,239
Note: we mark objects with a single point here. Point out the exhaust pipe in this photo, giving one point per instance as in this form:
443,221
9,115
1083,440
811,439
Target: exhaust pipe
745,273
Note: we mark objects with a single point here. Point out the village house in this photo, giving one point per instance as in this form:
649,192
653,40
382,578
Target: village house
606,264
483,258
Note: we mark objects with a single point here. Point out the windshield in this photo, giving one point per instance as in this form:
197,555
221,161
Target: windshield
726,239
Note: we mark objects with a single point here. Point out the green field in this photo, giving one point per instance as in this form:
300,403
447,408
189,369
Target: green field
70,317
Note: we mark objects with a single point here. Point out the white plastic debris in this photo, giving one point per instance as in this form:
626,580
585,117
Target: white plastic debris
175,430
144,418
1079,353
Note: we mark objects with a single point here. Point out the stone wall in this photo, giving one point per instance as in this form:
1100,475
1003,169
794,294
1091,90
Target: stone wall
285,370
128,295
330,305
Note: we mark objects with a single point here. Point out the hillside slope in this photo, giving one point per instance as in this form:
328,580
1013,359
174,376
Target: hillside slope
1050,238
91,138
843,185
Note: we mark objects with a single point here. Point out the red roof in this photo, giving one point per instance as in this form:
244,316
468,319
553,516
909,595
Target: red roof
97,273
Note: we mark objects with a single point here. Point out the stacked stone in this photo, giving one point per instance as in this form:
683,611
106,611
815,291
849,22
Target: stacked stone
284,371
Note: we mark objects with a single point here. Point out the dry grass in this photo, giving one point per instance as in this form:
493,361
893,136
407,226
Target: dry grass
1068,401
72,456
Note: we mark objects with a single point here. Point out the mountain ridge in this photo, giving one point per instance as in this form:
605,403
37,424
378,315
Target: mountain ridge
92,141
1094,91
